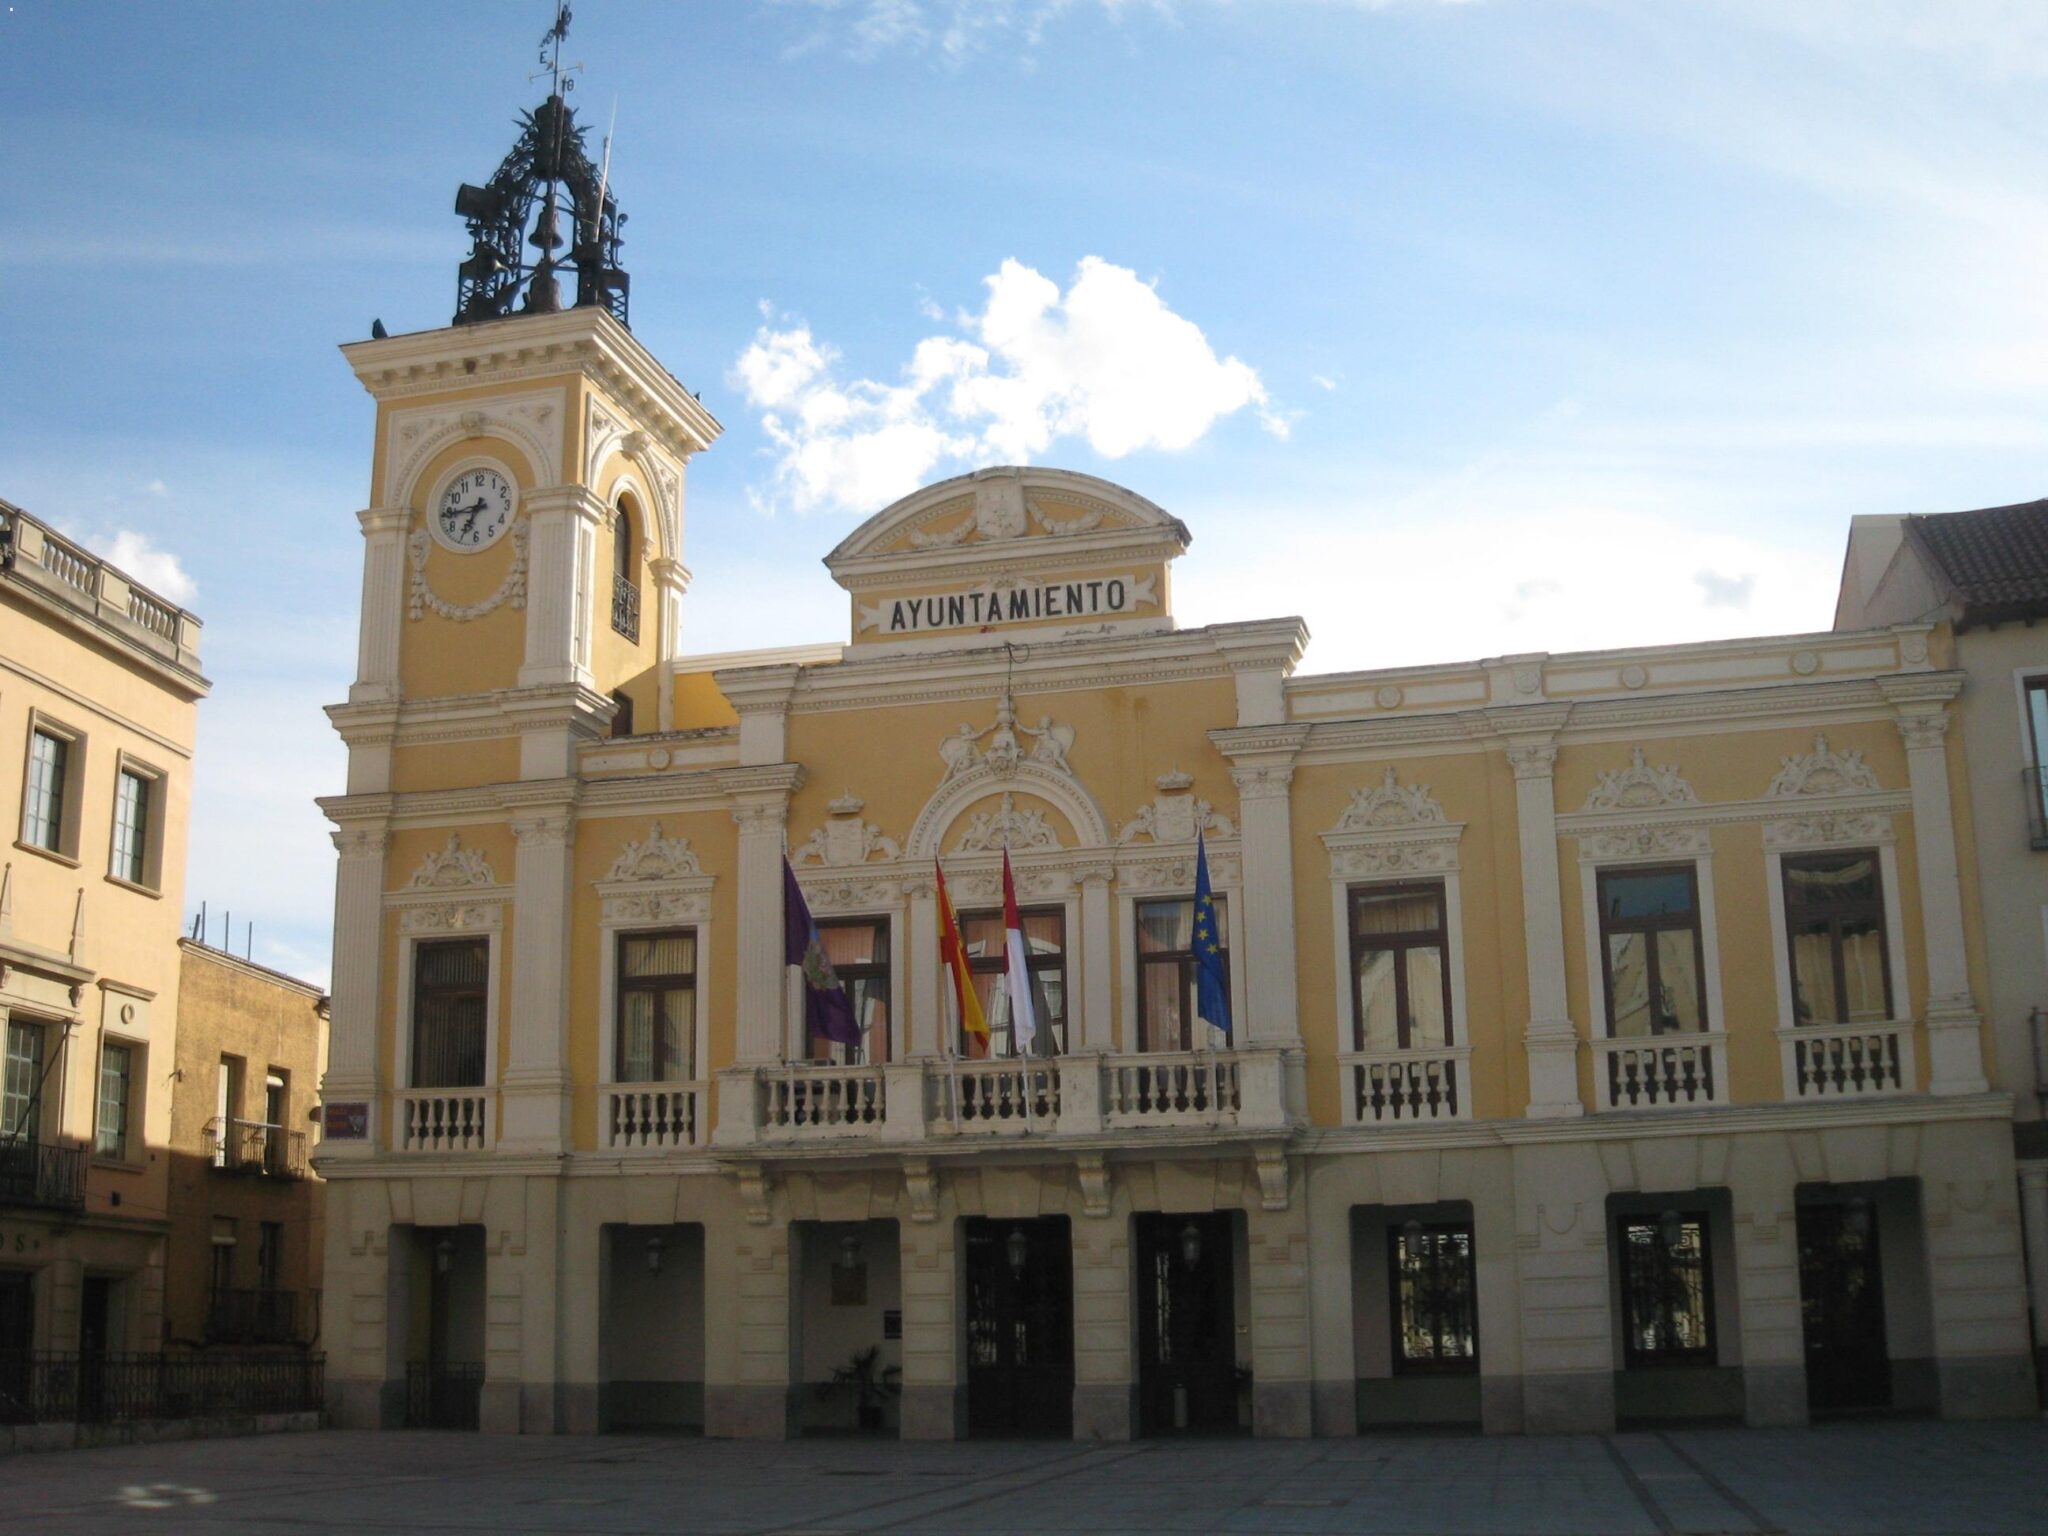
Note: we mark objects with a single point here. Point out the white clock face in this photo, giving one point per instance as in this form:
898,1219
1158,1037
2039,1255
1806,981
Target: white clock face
474,510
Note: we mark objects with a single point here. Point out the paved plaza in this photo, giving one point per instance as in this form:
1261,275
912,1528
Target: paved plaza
1915,1479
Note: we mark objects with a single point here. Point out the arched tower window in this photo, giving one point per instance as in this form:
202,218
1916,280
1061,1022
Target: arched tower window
625,577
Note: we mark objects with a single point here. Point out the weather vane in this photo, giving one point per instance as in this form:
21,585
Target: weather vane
547,175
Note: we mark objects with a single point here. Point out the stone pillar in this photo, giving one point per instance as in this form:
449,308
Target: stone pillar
2033,1179
352,1067
762,817
1105,1336
561,531
1263,774
1565,1313
1955,1046
1496,1261
1281,1391
934,1403
534,1083
749,1377
926,989
1762,1183
384,601
1976,1274
1551,1040
670,579
1098,944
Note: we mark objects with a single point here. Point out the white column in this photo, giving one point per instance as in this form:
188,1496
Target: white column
1263,775
671,579
924,990
762,817
1551,1040
352,1072
558,522
1954,1027
1098,951
384,597
534,1087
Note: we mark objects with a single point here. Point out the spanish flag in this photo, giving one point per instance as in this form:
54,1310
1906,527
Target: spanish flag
953,956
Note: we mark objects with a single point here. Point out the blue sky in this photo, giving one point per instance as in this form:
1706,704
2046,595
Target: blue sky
1457,328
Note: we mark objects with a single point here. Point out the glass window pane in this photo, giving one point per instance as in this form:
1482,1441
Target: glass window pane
131,826
1044,932
1647,893
855,943
1435,1297
110,1138
42,810
24,1072
1386,912
1863,971
1813,974
449,989
659,954
1379,1026
983,935
1162,1028
1664,1284
870,997
1163,926
636,1037
1678,983
1428,1024
1628,981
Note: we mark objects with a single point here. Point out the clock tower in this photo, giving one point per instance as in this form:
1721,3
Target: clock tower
522,594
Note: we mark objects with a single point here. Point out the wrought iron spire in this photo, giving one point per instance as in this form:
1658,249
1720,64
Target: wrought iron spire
545,183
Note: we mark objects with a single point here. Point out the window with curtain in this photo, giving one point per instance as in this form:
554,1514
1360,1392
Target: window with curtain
131,827
1435,1298
657,1007
23,1074
1166,976
117,1078
1400,975
859,951
450,990
42,806
1834,918
1667,1290
1045,948
1652,952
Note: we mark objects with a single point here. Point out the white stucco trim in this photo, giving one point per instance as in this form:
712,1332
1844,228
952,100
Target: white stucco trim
466,916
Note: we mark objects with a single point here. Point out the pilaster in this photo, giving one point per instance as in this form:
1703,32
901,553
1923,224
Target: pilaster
352,1067
1552,1041
670,579
1097,945
562,521
749,1368
534,1087
1262,767
384,530
926,989
1281,1388
762,816
1763,1184
1105,1359
934,1405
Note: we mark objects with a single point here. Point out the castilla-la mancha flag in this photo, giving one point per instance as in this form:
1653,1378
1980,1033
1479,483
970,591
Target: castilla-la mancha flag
1016,968
953,956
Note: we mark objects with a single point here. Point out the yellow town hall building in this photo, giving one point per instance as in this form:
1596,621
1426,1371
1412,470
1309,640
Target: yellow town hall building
1604,1040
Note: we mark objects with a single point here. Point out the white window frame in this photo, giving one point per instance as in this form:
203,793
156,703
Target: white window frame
466,920
156,793
794,1043
665,909
1675,847
1885,841
1341,888
1128,900
70,819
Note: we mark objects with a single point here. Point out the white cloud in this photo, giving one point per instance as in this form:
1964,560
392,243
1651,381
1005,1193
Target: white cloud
157,569
157,488
1106,362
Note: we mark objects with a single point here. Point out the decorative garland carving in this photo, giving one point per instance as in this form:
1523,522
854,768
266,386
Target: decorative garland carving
845,839
1822,772
1007,827
1639,787
1390,804
963,753
1175,816
1828,827
655,858
1646,842
511,590
658,907
1394,859
453,918
453,867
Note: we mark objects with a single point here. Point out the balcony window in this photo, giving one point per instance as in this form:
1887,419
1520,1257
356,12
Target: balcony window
1400,981
1834,918
23,1078
1650,945
269,1255
859,951
657,1007
227,1108
1667,1289
130,859
43,805
625,580
1166,976
1045,948
451,987
2037,758
1435,1298
117,1079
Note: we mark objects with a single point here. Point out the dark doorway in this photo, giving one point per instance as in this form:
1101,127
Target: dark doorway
1187,1333
17,1339
1841,1303
1020,1327
95,1312
444,1391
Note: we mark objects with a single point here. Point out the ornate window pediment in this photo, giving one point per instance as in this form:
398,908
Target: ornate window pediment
1389,804
1020,829
1639,787
657,879
1392,828
655,858
1823,771
452,868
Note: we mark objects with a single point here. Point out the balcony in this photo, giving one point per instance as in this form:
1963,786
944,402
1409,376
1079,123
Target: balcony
650,1117
1409,1087
42,1177
626,608
1086,1095
443,1120
253,1317
253,1147
1847,1061
1658,1072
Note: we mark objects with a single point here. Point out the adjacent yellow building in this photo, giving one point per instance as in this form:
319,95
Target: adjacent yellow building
1604,1038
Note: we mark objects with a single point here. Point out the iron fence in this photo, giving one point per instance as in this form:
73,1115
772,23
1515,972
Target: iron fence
251,1146
442,1396
253,1317
55,1387
49,1177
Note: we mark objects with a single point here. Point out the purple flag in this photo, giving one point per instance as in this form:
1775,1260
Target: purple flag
827,1009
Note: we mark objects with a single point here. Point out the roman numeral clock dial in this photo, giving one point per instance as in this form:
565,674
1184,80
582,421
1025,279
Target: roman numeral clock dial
474,510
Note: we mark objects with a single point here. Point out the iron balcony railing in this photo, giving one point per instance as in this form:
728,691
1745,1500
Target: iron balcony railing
253,1317
443,1396
251,1146
59,1387
46,1177
626,608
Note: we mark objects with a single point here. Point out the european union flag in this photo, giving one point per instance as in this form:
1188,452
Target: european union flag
1212,988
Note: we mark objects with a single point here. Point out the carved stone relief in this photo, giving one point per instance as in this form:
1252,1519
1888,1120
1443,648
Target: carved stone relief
1639,787
451,868
845,839
655,858
1390,804
422,598
1823,771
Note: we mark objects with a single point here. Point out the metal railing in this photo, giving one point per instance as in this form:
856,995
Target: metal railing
253,1317
626,608
41,1176
1406,1087
253,1146
60,1387
442,1396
